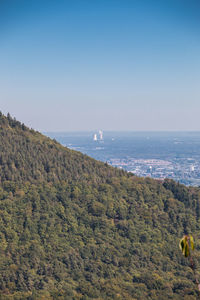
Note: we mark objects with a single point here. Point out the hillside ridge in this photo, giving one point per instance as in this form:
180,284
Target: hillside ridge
33,156
76,228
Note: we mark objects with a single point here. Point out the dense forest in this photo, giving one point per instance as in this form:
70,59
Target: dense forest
75,228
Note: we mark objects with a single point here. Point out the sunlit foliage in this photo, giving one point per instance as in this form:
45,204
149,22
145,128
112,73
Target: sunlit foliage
75,228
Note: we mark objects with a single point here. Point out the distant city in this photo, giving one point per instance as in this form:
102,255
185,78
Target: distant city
174,155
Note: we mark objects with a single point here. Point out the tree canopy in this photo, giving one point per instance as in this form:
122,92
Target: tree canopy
75,228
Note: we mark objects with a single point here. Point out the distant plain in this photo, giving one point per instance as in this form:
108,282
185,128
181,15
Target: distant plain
155,154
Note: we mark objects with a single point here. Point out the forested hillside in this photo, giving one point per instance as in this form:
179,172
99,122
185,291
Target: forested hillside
75,228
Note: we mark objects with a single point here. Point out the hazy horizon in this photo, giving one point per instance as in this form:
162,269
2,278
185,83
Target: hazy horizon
115,65
122,131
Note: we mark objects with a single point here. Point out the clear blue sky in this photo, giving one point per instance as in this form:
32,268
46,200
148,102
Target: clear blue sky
109,64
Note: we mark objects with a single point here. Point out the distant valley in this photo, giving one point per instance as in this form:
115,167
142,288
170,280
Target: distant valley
74,228
159,155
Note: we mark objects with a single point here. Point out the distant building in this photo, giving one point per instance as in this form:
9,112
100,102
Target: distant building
192,168
101,135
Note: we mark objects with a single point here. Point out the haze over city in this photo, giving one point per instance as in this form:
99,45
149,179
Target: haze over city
99,149
114,65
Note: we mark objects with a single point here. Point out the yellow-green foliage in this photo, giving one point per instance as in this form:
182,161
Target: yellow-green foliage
75,228
186,244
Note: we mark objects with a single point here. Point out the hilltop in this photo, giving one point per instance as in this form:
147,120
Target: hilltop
76,228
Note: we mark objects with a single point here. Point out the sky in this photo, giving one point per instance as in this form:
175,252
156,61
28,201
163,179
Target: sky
101,64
